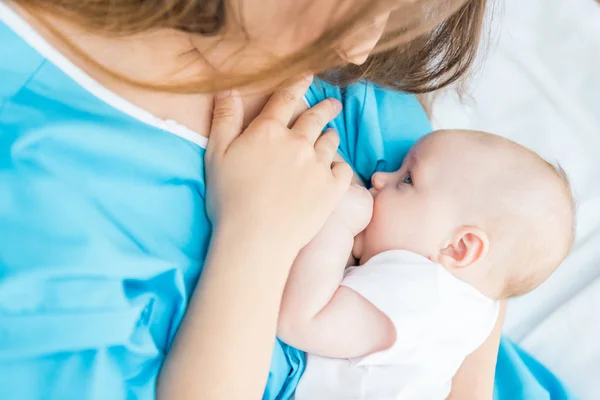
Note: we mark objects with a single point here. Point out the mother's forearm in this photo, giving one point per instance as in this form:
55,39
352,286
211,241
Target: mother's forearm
475,378
224,345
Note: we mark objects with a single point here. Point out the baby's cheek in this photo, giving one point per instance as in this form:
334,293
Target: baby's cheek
380,231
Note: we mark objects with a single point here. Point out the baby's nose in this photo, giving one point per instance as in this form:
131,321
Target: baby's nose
379,180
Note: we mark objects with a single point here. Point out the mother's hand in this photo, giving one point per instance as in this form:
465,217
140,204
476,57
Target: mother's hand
270,180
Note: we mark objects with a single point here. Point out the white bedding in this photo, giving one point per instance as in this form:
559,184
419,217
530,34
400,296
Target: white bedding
540,85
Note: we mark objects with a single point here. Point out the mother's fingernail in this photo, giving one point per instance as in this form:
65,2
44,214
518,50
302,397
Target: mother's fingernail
308,76
223,94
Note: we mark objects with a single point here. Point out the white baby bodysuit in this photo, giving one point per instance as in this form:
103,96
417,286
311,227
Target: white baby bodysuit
439,320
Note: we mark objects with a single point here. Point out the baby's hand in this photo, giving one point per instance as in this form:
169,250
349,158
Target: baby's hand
354,210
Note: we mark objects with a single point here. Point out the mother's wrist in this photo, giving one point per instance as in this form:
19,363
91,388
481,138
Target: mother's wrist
259,240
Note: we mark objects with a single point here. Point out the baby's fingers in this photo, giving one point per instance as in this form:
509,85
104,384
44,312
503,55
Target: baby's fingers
228,116
342,174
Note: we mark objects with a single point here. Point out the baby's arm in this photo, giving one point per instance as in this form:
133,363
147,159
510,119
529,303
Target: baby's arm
317,314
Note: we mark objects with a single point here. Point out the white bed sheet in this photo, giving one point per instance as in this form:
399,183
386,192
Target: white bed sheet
540,86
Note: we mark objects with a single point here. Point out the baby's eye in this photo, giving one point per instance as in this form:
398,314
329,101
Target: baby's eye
408,179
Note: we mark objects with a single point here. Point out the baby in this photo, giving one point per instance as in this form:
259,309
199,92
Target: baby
469,219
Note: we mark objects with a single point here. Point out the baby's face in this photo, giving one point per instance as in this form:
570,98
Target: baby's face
415,207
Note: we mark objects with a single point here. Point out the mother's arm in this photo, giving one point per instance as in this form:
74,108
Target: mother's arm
475,378
262,188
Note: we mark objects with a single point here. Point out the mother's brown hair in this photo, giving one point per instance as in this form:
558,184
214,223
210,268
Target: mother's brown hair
428,44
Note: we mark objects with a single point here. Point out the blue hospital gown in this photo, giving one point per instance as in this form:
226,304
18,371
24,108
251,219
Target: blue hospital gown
103,232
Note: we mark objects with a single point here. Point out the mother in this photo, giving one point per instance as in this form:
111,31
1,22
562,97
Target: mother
105,109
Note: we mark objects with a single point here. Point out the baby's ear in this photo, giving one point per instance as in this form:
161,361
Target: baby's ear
467,246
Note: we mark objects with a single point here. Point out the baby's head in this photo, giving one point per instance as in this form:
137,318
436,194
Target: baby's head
492,212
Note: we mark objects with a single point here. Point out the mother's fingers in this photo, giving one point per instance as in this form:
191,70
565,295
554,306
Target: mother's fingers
283,102
227,120
312,121
326,146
